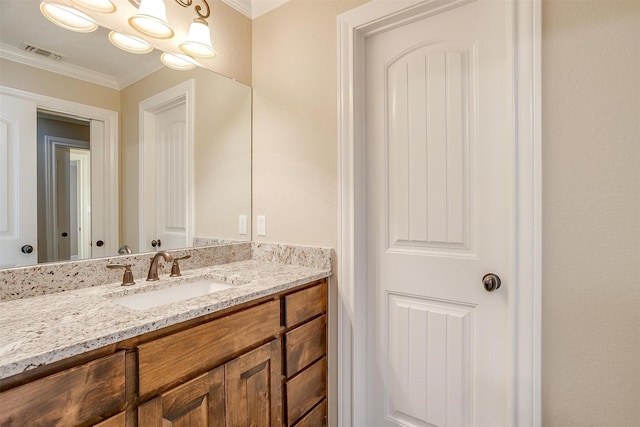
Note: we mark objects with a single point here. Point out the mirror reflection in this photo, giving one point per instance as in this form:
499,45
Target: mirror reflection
127,161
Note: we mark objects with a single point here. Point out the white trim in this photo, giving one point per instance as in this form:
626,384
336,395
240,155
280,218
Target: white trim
353,27
109,134
242,6
50,178
16,55
254,8
183,92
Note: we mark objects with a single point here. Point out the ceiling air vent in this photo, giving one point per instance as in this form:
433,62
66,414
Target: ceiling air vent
42,52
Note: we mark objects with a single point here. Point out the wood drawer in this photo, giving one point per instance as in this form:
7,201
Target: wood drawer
303,305
115,421
184,354
305,344
305,390
80,395
317,417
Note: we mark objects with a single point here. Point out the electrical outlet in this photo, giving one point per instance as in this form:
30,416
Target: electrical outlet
242,225
261,223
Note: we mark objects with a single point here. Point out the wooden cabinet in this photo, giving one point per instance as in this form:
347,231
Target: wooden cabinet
254,387
199,402
81,395
260,364
306,356
243,392
172,359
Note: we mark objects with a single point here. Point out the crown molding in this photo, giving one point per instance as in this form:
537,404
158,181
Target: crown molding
16,55
254,8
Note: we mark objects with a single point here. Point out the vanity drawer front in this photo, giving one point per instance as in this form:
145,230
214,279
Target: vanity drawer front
80,395
305,344
317,417
115,421
302,305
179,356
306,389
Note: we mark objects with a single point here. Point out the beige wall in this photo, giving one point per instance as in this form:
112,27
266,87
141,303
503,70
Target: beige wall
24,77
295,121
591,196
222,152
295,133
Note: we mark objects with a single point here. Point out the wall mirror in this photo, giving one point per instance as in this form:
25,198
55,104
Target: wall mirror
121,152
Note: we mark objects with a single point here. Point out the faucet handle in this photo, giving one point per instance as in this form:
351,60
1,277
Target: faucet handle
127,278
175,267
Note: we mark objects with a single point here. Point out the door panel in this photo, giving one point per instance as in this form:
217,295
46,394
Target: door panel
439,216
17,183
171,178
199,402
430,135
254,387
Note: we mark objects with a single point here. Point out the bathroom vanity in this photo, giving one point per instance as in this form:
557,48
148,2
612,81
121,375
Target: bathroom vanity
251,354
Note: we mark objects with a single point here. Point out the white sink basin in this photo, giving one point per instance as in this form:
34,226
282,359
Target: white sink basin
176,293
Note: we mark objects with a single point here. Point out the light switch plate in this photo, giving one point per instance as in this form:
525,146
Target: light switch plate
242,225
261,223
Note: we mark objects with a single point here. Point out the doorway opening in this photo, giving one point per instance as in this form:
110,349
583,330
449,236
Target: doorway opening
64,187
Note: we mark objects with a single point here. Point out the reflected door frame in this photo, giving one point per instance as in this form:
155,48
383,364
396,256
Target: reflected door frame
51,185
183,93
104,137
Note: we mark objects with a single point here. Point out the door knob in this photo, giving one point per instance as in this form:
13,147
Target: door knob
155,243
26,249
491,282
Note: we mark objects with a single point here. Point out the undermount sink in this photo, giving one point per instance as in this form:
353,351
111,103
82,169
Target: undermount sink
179,292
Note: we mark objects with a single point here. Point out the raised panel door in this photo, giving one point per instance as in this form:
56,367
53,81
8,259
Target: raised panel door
254,387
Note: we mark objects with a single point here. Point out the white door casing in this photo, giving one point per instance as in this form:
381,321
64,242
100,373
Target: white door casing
166,168
523,323
18,214
104,163
51,197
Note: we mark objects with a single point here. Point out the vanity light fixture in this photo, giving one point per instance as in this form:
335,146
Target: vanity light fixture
178,61
102,6
151,19
198,42
68,17
128,43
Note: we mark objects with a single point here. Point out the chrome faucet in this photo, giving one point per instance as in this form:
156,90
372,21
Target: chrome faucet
153,268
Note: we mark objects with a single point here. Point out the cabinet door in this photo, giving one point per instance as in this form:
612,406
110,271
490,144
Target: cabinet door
254,387
197,403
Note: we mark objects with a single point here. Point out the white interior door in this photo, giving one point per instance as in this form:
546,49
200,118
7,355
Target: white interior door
439,217
171,177
18,211
166,168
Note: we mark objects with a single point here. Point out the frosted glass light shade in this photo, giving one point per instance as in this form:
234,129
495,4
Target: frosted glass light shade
151,19
178,61
129,43
68,17
198,42
102,6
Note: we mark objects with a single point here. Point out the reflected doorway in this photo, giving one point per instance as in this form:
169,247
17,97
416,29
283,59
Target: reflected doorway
64,187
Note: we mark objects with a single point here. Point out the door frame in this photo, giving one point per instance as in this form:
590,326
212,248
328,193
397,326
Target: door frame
148,109
354,27
104,138
51,208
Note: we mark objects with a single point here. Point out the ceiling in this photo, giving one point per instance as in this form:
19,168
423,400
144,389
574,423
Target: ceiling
89,56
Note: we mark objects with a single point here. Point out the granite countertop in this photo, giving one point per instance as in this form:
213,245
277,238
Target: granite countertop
44,329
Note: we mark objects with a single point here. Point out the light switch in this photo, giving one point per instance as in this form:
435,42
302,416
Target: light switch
242,225
261,223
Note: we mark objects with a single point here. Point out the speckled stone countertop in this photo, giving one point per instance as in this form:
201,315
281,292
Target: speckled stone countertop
44,329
